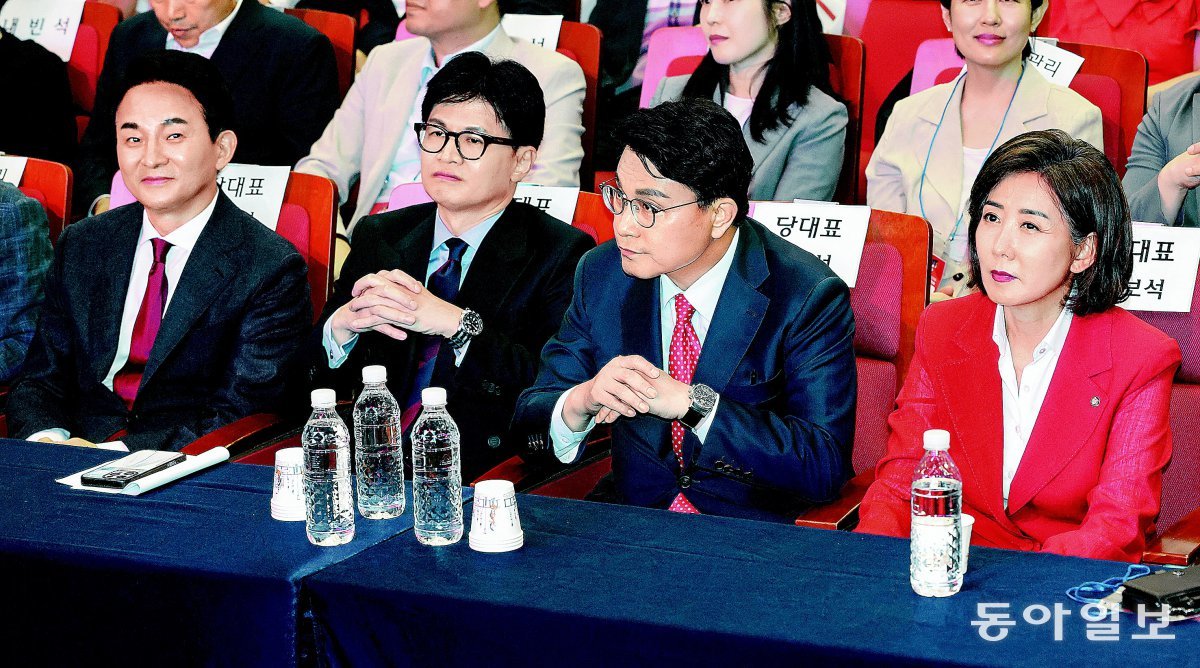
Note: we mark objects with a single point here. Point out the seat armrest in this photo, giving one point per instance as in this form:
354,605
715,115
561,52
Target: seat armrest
240,436
840,514
1179,545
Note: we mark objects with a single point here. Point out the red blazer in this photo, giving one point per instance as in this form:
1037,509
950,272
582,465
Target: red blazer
1090,482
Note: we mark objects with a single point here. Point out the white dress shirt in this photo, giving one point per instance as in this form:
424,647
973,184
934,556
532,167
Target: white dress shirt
703,295
336,354
209,39
406,167
1023,402
182,240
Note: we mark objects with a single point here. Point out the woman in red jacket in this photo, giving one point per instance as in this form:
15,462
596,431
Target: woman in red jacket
1055,398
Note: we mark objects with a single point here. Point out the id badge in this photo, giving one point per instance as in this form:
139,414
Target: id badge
937,266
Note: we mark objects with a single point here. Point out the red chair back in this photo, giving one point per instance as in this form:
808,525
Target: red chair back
407,194
339,28
666,46
1181,480
593,217
87,55
847,73
581,42
50,184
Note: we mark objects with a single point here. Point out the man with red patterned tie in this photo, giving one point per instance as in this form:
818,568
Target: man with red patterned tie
170,317
462,292
721,354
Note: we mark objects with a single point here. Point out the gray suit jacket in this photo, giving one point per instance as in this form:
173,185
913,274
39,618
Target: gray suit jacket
1168,129
800,160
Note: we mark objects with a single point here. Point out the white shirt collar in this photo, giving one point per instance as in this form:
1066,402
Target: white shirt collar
706,291
431,60
183,237
1053,342
209,39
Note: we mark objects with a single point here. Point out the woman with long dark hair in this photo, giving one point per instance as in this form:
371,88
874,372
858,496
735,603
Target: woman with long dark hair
768,65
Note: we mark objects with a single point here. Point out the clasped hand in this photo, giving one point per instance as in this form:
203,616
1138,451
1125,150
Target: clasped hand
626,387
393,303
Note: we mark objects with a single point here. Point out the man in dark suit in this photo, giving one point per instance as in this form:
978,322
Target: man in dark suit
721,353
281,72
173,316
461,293
40,120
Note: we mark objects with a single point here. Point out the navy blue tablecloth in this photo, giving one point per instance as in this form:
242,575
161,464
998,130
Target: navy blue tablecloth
611,585
196,572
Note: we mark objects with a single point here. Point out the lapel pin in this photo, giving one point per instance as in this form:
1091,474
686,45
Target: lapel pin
1095,402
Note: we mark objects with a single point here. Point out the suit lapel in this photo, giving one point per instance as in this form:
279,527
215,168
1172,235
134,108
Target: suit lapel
943,165
969,379
234,55
740,311
1070,412
207,270
500,259
641,334
1030,103
108,295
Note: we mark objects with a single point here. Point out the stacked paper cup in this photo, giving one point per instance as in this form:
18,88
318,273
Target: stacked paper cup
287,496
495,524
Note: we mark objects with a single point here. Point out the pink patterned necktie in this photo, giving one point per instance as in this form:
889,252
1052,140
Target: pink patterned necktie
685,350
145,328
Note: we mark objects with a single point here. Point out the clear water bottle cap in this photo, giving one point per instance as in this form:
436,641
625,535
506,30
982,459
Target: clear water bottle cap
375,373
937,439
323,398
433,396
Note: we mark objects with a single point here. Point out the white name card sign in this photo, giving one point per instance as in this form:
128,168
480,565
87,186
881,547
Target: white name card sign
12,168
557,201
540,30
1056,64
835,234
1165,260
256,189
51,23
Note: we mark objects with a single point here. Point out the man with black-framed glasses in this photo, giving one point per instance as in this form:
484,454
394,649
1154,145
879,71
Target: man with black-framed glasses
721,355
463,292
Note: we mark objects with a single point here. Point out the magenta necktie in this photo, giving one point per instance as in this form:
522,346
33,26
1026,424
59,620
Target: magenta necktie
685,351
145,328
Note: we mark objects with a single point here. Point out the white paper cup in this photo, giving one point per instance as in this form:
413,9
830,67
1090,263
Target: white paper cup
495,523
968,522
287,495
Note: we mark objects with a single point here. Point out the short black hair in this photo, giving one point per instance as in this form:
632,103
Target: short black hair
1027,50
695,142
194,73
506,86
1089,196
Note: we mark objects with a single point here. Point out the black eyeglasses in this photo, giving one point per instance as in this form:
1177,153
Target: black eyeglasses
643,212
470,145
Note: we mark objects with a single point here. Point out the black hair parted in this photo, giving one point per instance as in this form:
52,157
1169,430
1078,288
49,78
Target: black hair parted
194,73
694,142
506,86
801,62
1089,197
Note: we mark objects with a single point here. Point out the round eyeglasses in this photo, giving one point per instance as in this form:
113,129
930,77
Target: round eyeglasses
471,145
644,213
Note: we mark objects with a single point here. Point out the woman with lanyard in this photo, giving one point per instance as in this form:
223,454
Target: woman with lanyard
768,65
936,140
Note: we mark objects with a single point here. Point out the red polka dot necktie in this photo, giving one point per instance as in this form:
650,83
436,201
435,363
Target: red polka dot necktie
145,328
685,350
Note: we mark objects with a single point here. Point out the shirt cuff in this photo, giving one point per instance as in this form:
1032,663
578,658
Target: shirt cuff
460,353
701,430
55,433
335,353
565,441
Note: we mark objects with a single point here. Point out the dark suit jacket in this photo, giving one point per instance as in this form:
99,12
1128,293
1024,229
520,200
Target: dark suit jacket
1090,481
282,75
622,23
520,284
779,351
240,313
39,120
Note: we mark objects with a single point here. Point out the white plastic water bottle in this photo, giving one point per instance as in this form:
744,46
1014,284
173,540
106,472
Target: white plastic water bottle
936,542
378,455
329,519
437,472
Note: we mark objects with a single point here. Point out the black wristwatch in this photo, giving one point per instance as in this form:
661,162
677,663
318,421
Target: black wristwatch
469,327
703,399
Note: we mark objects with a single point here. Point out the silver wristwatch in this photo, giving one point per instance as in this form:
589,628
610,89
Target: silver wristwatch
703,399
469,327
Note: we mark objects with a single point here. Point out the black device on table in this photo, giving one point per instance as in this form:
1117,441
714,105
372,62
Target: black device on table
119,473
